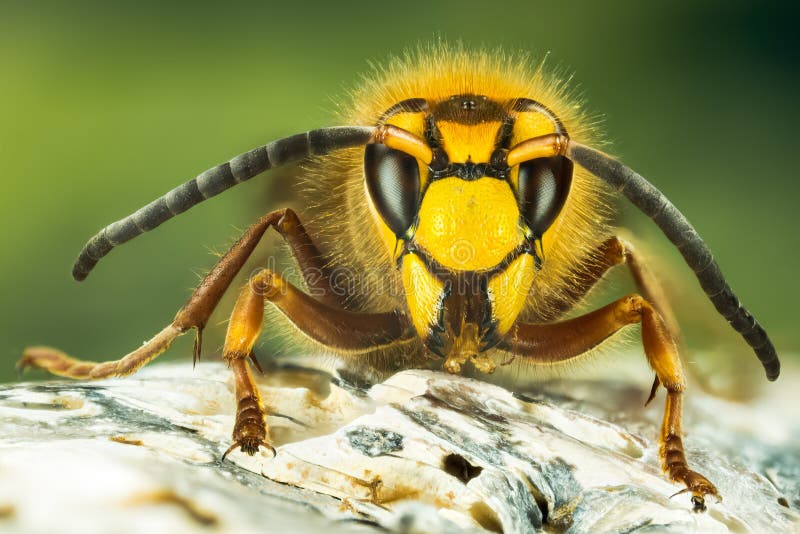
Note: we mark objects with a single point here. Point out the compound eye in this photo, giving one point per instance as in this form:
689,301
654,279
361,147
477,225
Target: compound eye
394,186
543,187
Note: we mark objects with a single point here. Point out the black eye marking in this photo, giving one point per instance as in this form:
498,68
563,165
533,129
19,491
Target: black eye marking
542,189
411,105
526,104
393,184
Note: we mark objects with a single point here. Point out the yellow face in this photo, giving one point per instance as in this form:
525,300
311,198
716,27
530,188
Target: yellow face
465,246
469,225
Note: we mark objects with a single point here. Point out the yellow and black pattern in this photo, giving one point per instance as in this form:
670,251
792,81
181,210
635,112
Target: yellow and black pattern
466,107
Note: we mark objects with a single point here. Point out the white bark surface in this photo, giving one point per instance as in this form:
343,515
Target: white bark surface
421,452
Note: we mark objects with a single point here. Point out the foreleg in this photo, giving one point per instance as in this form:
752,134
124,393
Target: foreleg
334,328
562,341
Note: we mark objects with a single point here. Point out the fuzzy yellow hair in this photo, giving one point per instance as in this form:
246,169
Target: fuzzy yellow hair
338,211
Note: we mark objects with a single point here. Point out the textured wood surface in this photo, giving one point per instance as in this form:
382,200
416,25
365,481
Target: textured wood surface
420,452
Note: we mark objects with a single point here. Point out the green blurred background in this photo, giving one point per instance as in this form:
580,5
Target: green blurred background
104,106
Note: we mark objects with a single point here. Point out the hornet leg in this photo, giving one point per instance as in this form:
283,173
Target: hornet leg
335,328
197,310
562,341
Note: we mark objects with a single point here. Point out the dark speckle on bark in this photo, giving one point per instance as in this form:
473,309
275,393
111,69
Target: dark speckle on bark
374,441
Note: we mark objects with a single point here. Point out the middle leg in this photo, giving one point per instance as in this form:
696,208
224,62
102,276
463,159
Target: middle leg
613,252
204,299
